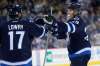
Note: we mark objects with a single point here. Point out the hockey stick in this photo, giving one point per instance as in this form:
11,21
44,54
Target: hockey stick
46,47
47,41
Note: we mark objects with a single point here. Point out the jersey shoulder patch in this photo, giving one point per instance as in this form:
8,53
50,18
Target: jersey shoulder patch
76,20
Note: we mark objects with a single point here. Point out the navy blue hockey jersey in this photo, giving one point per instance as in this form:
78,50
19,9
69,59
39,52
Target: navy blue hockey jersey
15,40
78,37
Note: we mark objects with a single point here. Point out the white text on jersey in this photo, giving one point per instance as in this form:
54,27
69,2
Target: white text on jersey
15,27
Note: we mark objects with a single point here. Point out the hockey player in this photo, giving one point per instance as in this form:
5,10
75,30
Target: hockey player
79,48
16,35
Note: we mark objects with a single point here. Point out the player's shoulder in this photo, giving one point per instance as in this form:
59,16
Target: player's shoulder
76,20
25,20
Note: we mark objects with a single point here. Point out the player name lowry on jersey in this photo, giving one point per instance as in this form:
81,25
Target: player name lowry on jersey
15,27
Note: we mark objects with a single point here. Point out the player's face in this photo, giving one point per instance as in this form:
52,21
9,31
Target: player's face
70,13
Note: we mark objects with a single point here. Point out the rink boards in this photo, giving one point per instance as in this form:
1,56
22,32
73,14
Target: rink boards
59,57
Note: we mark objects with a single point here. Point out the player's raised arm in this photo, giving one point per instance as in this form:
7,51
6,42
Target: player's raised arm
70,26
37,31
42,26
61,27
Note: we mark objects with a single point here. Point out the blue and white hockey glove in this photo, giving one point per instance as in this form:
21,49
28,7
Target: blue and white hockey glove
45,21
48,19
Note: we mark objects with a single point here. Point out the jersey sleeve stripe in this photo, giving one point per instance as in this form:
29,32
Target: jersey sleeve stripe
42,33
71,27
68,26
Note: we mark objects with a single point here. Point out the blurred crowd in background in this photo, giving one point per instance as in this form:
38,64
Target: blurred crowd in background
90,12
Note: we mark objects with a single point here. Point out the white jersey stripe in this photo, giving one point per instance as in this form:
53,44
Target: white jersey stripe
42,33
69,29
16,63
83,50
73,28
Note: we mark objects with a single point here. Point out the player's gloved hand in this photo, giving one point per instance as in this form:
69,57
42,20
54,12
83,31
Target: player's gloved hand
45,21
48,19
59,30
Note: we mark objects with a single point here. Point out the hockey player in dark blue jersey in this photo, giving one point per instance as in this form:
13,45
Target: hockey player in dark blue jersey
16,35
79,48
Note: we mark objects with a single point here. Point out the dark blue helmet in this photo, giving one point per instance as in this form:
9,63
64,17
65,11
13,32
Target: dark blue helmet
14,10
74,6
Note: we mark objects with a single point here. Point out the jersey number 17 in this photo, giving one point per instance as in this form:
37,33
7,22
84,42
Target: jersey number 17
11,34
